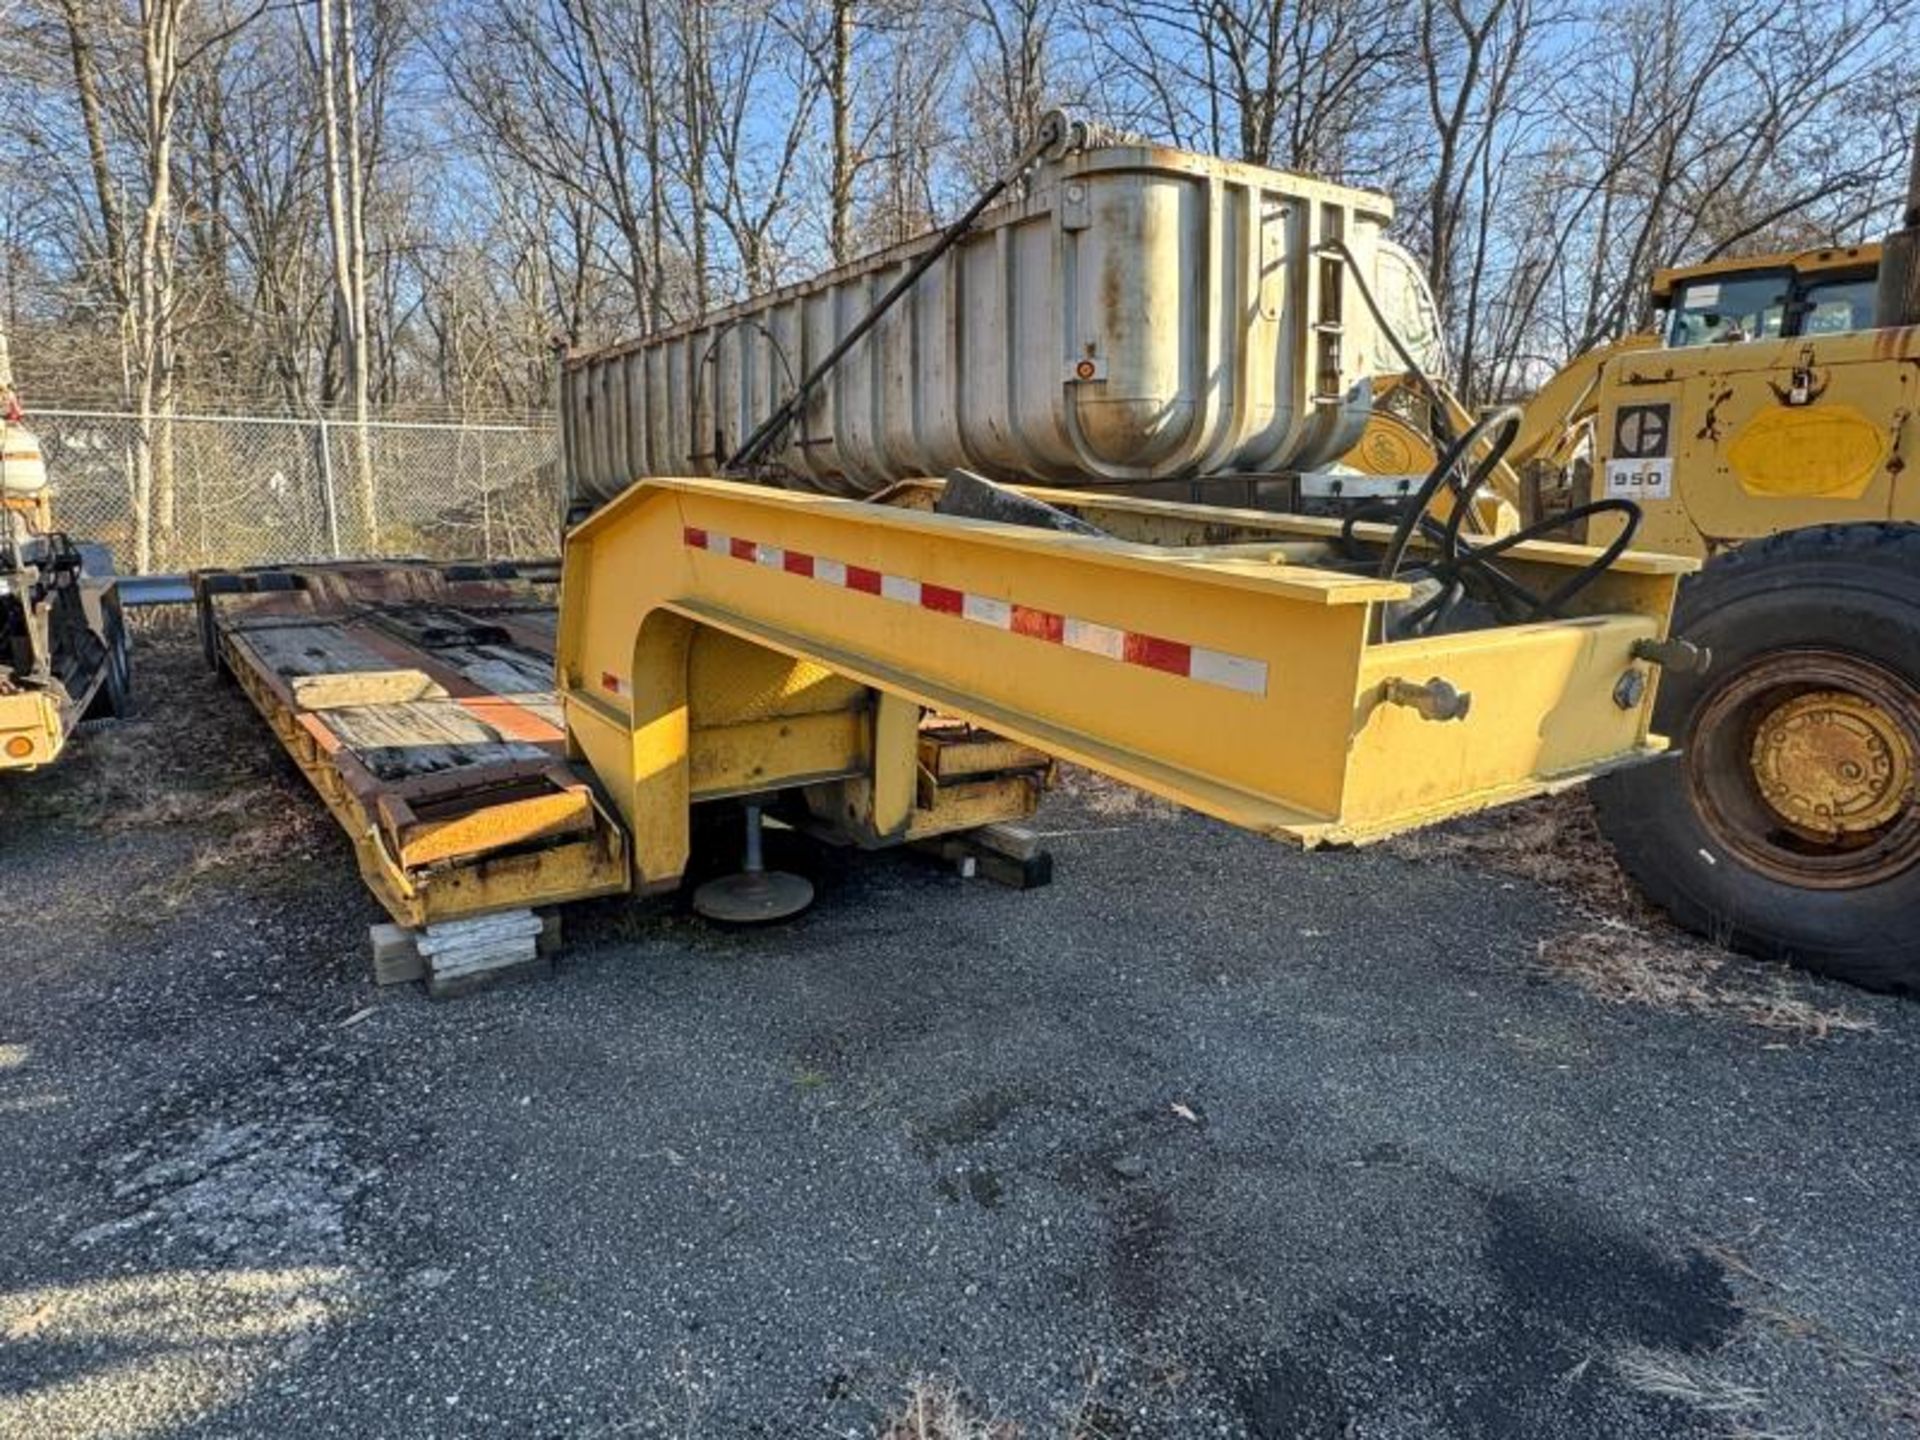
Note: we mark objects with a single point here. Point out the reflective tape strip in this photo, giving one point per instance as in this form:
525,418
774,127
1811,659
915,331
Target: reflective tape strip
1129,647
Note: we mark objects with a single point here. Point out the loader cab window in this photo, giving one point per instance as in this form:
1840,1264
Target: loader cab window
1828,307
1729,311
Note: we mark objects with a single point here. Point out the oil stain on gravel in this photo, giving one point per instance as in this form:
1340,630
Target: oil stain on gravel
1573,1290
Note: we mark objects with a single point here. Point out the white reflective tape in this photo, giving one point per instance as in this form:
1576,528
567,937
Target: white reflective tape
1212,667
1235,672
1095,639
997,613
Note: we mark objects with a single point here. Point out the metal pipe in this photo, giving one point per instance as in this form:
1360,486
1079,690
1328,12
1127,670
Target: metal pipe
756,859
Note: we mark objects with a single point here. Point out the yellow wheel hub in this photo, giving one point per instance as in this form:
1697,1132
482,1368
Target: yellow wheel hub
1833,763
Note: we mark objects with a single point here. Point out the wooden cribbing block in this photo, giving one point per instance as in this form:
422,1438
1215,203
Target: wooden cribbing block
396,956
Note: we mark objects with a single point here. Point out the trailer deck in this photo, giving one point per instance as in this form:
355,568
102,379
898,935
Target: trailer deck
418,699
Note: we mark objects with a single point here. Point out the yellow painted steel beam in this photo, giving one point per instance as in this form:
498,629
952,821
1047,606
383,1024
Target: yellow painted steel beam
1243,686
754,756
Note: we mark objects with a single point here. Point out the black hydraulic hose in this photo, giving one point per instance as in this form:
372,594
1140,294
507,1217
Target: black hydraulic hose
1503,425
1455,558
1549,605
1055,130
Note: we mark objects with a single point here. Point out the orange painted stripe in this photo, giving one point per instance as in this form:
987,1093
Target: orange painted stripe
316,727
514,721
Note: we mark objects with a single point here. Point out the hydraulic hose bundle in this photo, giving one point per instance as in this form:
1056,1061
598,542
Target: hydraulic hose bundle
1457,568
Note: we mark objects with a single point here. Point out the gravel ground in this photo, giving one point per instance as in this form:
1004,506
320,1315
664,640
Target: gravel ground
1208,1138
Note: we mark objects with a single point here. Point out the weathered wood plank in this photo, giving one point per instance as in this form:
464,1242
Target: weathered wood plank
411,722
497,826
293,650
340,689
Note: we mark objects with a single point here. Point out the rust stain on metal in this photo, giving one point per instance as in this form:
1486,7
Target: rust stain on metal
1710,425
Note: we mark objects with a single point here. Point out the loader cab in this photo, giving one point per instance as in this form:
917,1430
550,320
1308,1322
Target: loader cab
1771,297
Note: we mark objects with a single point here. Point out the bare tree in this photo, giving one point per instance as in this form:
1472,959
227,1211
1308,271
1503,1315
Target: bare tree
393,202
1712,130
1266,81
338,67
1473,67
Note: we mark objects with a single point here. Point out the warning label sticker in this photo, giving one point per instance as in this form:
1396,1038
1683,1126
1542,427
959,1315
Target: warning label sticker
1648,479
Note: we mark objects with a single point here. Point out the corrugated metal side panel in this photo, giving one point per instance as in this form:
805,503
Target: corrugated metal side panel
1221,342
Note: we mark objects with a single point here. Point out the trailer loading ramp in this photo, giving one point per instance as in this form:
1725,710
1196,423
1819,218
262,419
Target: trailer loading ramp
418,699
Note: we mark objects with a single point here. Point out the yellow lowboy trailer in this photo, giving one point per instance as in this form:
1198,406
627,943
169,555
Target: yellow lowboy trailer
905,665
1231,661
878,672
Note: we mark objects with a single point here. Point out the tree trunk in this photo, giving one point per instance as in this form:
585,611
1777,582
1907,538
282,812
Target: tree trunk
840,99
153,317
1898,300
346,231
360,360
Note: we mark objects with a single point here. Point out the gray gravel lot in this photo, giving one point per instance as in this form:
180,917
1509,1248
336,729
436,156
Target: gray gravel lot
1208,1138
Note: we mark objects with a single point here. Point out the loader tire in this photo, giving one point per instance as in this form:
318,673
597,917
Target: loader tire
114,698
1787,824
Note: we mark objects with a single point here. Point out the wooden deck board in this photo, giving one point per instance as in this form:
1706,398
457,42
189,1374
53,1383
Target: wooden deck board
418,737
322,648
423,709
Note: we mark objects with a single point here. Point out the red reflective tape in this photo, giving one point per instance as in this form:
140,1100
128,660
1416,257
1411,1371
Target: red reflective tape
939,597
610,682
1152,652
1038,624
1173,656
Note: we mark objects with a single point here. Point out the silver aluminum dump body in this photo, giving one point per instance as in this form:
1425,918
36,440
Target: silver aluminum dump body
1135,314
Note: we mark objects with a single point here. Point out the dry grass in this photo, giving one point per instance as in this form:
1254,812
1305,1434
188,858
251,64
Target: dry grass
1890,1384
1111,799
193,748
248,850
1892,1381
938,1409
1624,951
1553,841
1625,965
1688,1381
194,759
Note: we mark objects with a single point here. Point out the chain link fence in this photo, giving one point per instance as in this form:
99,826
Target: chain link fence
253,490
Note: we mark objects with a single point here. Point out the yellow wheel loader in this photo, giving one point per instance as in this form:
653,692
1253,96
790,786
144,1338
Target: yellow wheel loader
1779,296
1766,428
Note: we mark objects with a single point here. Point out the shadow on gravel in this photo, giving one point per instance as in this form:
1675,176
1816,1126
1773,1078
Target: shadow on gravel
1574,1292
